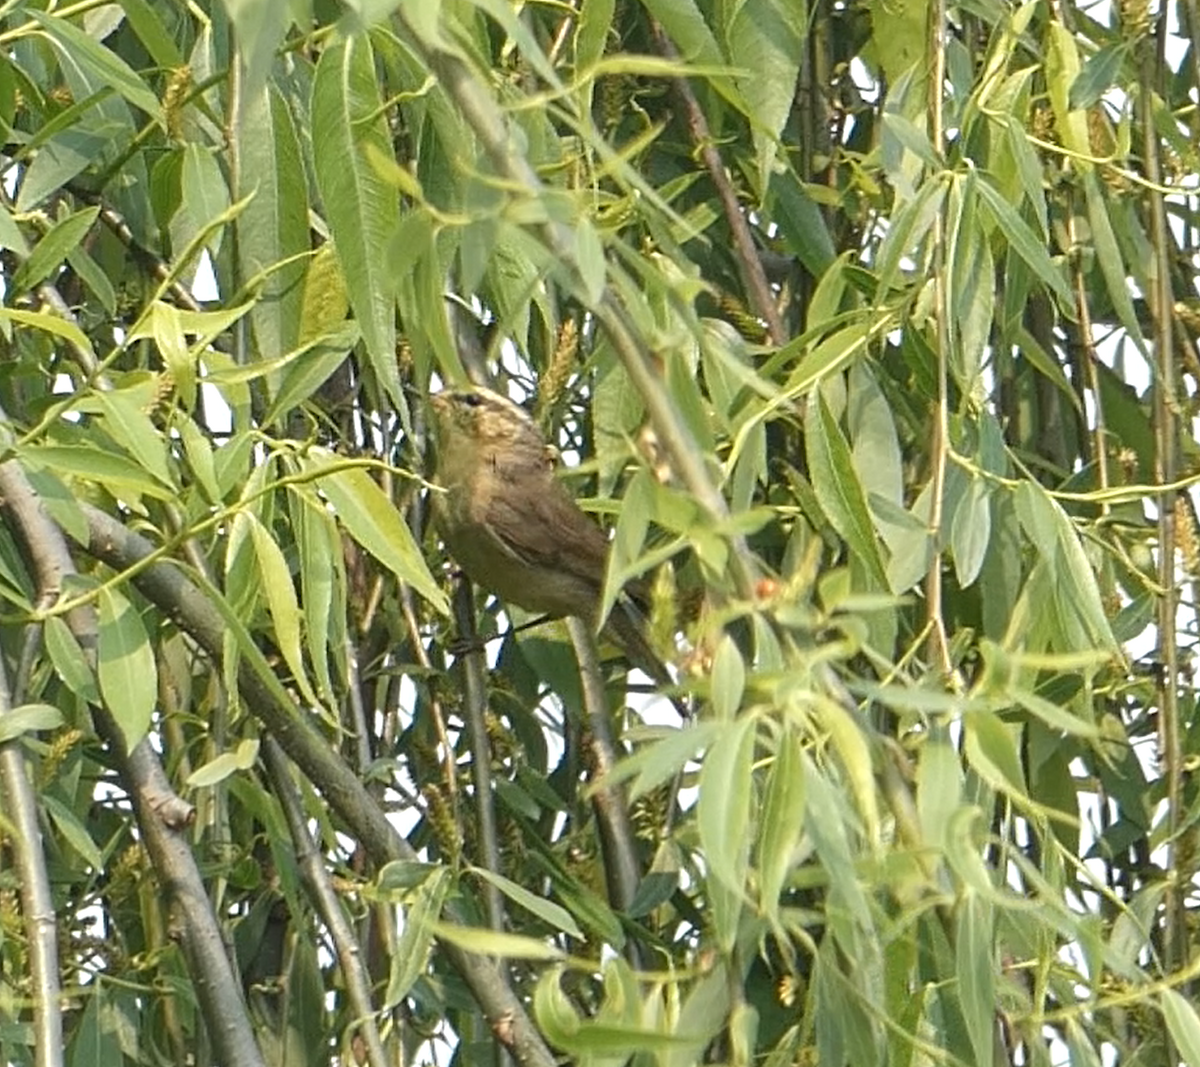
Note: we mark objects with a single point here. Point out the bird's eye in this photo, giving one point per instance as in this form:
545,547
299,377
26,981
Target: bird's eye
472,400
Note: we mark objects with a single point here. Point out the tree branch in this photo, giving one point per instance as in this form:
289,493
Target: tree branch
195,613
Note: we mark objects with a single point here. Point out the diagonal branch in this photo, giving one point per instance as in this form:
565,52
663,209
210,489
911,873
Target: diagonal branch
195,612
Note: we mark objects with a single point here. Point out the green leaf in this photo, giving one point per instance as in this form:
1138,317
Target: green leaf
1052,715
69,661
728,679
261,26
970,531
686,26
1108,257
1097,76
125,666
105,66
152,33
205,197
835,481
662,759
42,320
992,753
723,805
589,255
74,832
130,426
49,253
221,767
484,942
766,38
282,603
373,521
546,910
976,974
320,553
119,475
273,230
1183,1025
782,819
1020,238
27,719
362,209
412,950
908,227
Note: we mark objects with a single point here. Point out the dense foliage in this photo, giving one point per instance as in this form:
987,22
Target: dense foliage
869,328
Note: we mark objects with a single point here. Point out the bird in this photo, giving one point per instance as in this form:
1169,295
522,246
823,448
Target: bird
511,524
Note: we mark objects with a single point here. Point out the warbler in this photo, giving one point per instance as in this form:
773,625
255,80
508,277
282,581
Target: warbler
511,524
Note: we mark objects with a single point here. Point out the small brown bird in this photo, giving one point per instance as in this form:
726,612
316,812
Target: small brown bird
510,523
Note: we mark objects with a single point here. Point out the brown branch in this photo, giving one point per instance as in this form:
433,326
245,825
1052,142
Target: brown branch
162,817
622,872
750,266
320,889
475,699
194,611
37,902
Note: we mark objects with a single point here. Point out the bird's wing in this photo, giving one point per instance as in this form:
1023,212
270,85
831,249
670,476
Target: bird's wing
548,529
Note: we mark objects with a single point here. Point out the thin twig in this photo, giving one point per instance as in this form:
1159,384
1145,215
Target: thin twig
316,878
475,699
621,868
163,819
194,609
750,267
37,903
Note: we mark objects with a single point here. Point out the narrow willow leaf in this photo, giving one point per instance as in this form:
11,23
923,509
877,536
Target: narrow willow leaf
69,661
317,543
373,521
74,832
221,767
992,753
282,603
483,942
48,254
41,320
412,950
125,666
545,910
361,207
1053,716
838,489
766,38
128,423
723,806
273,230
27,719
782,820
661,759
118,475
728,679
1183,1025
1023,241
105,66
976,969
970,531
1108,257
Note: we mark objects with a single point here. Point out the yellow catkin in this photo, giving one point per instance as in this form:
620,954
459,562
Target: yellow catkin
1189,316
179,87
442,821
562,365
749,325
1187,538
60,747
1135,18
